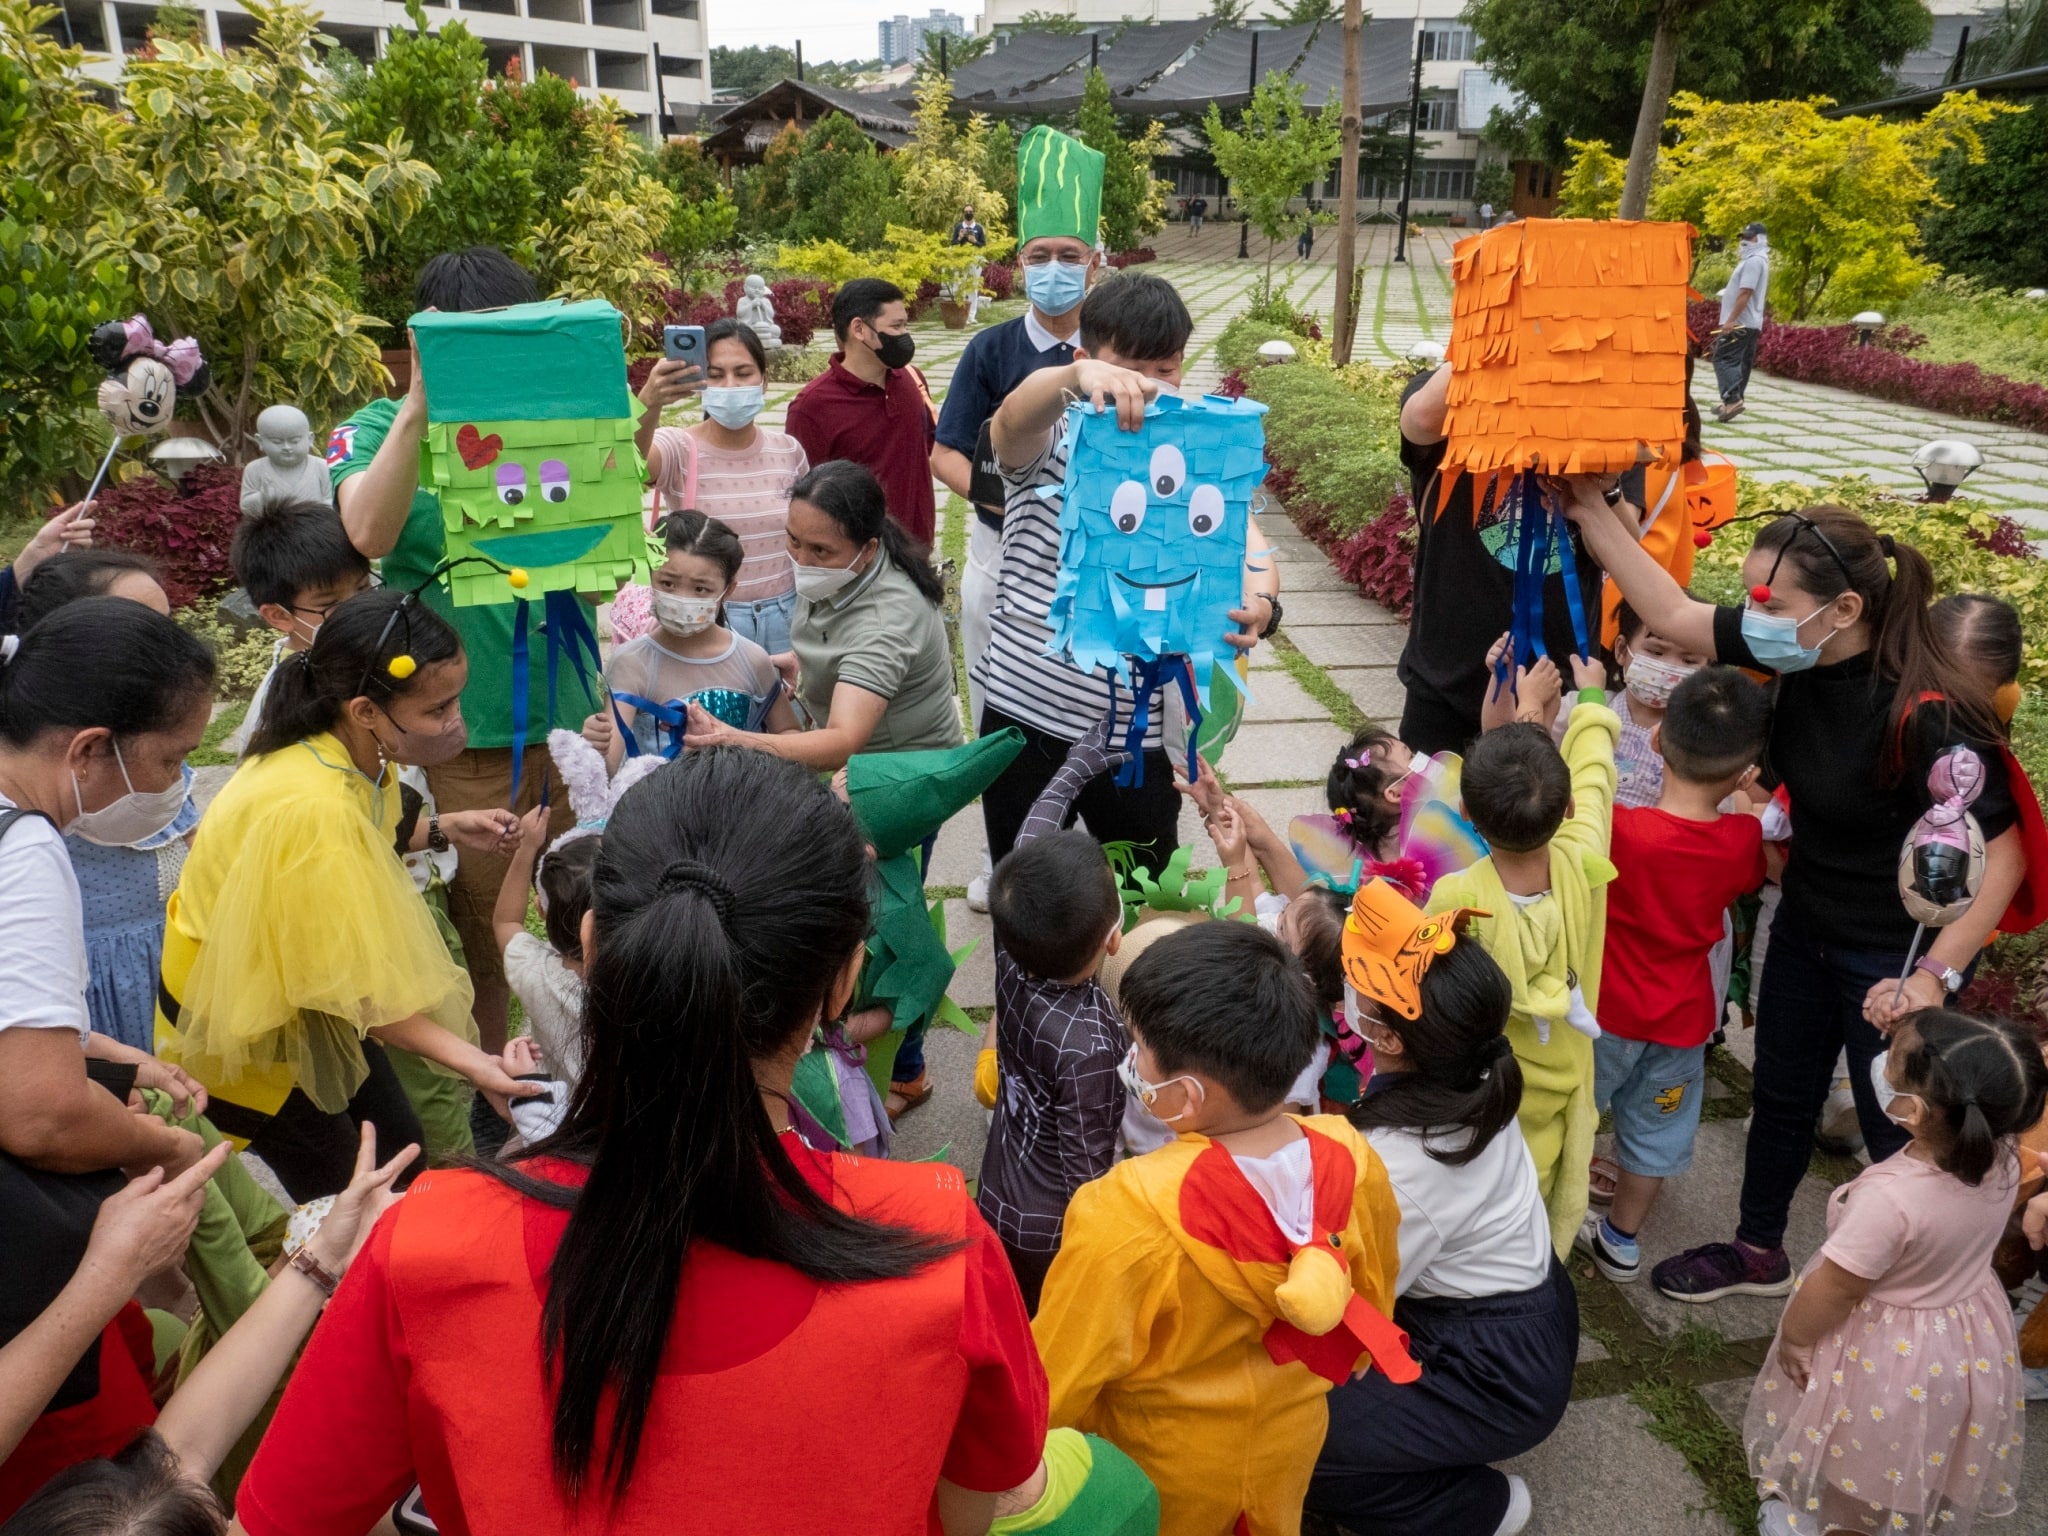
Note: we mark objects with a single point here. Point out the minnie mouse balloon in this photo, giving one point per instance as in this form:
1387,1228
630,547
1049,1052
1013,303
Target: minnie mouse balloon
140,393
1942,862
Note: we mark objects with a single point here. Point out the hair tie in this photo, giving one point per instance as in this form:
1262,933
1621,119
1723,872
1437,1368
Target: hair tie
1887,546
690,875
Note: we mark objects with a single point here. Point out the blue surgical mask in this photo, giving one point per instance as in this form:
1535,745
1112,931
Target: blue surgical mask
734,407
1773,639
1055,287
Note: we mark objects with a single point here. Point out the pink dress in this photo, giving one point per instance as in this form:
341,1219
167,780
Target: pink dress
747,490
1913,1418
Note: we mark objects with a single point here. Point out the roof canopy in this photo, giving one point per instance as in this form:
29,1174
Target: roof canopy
744,131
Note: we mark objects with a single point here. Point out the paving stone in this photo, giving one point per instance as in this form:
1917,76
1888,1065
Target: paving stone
1280,697
1348,645
956,857
1729,1399
1266,754
1800,460
950,1124
1376,690
1602,1473
1333,608
974,983
1303,576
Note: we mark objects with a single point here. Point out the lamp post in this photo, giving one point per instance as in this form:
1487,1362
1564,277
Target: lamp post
178,455
1870,320
1944,464
1276,351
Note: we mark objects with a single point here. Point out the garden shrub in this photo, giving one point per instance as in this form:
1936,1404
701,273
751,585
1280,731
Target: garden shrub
1131,258
1000,279
185,529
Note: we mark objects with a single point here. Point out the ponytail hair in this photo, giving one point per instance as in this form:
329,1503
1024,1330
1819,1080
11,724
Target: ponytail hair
1356,788
1462,1073
101,662
1897,587
729,893
845,492
1982,1080
351,658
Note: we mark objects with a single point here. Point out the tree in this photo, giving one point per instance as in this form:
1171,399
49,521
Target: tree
958,50
1591,188
1494,183
705,219
1991,220
236,210
1278,147
1299,13
941,164
999,161
601,244
1133,200
750,71
1060,21
840,187
1225,13
1842,197
1583,66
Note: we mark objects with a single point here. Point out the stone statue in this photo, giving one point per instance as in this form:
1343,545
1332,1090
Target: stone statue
288,470
757,311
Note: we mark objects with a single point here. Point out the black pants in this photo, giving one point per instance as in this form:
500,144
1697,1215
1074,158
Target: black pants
1146,816
1433,724
312,1152
1030,1269
1734,356
1811,1010
1496,1379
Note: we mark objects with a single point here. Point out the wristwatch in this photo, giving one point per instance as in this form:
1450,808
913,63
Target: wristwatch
1273,618
437,840
1612,495
1951,980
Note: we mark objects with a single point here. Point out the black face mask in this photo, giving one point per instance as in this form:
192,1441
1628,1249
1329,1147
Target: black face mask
895,351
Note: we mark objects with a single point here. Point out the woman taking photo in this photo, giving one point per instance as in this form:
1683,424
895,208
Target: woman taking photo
296,947
876,674
631,1326
728,468
1868,696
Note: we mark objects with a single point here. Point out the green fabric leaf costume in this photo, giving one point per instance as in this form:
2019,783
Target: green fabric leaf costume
1059,186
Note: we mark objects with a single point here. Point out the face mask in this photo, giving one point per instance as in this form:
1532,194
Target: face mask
1773,639
1888,1096
1055,287
683,615
131,819
895,351
1650,679
732,408
1146,1093
2006,701
427,749
818,582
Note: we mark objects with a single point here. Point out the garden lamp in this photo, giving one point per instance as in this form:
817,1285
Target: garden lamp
1944,464
1276,351
1426,354
179,454
1865,323
2036,293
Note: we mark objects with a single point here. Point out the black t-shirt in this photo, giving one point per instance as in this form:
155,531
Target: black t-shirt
995,362
1829,730
1464,596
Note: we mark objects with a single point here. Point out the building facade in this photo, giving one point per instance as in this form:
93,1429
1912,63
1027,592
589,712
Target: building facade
651,56
901,40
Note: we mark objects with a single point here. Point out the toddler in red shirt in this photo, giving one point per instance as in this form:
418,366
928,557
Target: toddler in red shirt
1679,864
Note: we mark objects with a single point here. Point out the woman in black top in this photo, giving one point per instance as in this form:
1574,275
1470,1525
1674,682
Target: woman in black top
1868,696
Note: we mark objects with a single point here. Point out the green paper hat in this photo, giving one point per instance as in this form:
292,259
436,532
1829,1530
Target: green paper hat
1059,186
902,798
547,361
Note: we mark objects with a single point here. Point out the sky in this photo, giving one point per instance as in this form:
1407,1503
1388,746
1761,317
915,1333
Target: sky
830,29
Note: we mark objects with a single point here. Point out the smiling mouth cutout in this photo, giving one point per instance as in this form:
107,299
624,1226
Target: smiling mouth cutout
1155,591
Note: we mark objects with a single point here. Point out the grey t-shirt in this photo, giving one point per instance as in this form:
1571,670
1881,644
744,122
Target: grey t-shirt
1754,273
880,634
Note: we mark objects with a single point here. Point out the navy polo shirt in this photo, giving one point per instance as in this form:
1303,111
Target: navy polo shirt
994,363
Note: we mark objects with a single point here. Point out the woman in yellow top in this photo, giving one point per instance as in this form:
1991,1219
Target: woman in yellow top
296,947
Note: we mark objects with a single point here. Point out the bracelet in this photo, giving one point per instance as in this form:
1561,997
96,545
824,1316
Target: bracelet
303,1261
1239,874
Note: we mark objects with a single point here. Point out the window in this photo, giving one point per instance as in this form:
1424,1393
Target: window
677,10
572,64
1446,40
1439,115
616,13
621,71
554,10
687,69
1444,181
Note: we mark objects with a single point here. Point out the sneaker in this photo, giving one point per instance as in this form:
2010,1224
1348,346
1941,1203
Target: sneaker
977,894
1723,1269
1619,1258
1517,1516
1774,1518
2035,1379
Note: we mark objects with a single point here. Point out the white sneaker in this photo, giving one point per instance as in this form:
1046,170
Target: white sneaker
1774,1518
977,894
1518,1508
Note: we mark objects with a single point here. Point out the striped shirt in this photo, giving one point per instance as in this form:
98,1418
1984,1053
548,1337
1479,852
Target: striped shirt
746,489
1016,675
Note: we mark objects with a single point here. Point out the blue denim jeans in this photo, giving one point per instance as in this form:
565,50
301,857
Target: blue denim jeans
766,623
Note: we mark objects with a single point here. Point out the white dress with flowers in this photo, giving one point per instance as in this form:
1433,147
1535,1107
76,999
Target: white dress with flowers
1912,1420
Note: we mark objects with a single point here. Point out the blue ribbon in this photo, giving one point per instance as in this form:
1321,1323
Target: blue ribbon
522,662
669,719
1574,596
567,627
1151,676
1541,525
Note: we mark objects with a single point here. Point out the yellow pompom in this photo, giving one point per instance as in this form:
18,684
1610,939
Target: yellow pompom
1316,1291
517,577
401,667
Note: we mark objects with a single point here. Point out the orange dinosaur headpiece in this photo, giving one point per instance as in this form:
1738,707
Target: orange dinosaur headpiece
1389,944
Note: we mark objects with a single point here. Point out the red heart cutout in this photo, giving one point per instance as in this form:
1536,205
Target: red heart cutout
476,449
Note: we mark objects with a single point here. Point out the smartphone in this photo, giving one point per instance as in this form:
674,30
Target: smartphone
411,1517
684,343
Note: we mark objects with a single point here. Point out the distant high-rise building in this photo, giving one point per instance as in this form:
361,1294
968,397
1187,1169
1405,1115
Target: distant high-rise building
901,40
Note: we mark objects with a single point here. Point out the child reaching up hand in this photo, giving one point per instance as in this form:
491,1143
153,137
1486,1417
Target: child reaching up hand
546,975
1891,1399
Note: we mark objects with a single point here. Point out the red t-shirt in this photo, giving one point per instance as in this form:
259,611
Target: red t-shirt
891,431
782,1404
1674,880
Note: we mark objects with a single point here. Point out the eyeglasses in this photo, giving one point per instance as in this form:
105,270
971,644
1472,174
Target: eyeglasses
1064,258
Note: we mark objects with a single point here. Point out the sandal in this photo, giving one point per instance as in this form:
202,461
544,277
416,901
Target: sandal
904,1097
1601,1179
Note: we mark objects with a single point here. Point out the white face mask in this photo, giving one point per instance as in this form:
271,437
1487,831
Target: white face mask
1650,680
1147,1093
818,582
683,615
1887,1095
733,406
131,819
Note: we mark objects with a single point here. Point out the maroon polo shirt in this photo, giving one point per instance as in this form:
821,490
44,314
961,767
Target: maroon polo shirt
839,415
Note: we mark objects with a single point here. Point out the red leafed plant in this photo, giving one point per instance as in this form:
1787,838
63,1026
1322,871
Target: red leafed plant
1379,559
1000,279
803,306
186,529
1231,387
1131,258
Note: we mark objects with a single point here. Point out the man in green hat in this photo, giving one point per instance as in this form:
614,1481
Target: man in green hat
1059,203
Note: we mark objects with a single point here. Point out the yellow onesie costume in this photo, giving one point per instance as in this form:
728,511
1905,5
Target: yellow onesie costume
1165,1327
1544,948
294,931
